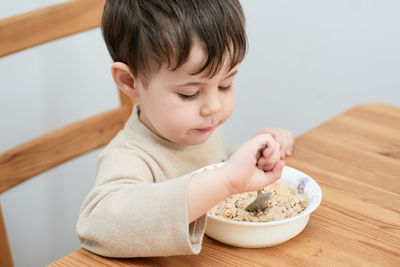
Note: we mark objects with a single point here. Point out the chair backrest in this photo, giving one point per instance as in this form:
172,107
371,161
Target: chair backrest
27,160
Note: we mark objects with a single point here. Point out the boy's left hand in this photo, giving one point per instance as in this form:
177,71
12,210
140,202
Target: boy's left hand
283,137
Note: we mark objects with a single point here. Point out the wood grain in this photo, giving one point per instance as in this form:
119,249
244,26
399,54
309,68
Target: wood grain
355,158
5,252
42,153
27,160
47,24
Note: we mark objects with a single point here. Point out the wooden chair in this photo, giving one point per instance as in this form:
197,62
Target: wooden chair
42,153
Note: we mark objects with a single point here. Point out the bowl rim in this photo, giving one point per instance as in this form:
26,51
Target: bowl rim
304,213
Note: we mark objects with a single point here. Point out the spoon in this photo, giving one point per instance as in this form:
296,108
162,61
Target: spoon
260,203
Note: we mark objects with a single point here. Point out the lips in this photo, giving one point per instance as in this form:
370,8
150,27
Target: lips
205,129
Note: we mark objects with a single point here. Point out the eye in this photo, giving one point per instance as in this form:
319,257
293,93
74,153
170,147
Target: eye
188,97
224,88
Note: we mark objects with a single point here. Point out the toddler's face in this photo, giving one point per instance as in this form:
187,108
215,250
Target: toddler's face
185,108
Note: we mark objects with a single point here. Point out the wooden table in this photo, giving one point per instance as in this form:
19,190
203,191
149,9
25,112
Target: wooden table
355,158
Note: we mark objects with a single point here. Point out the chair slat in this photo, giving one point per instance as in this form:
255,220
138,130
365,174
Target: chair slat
27,160
126,100
47,24
5,253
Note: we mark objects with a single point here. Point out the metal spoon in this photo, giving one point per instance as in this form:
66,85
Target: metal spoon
260,203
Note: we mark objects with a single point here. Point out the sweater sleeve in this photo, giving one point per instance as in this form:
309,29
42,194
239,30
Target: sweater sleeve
126,214
232,149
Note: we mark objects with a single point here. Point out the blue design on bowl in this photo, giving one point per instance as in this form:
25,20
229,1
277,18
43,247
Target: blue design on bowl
301,184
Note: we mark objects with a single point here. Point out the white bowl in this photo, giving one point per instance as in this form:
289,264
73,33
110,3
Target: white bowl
265,234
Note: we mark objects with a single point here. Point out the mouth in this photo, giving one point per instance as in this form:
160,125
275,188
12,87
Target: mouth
205,129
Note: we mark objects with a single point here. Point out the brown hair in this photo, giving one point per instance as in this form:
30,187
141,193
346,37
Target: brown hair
149,33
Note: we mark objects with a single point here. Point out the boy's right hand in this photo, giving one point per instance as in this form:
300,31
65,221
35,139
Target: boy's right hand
254,165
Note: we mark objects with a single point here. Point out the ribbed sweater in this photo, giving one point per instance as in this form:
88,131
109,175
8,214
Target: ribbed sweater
138,205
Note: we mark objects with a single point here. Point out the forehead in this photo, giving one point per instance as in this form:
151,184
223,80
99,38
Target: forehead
196,60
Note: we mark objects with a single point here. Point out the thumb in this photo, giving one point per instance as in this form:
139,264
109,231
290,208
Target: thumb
276,172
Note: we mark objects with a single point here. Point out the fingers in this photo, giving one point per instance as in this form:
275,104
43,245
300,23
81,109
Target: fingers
275,173
284,138
267,178
262,140
271,150
286,141
277,169
270,156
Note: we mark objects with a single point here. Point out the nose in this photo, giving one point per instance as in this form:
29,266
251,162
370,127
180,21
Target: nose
211,105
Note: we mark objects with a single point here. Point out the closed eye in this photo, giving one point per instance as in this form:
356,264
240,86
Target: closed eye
224,88
189,97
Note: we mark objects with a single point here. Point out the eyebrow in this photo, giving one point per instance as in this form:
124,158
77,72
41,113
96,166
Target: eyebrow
199,83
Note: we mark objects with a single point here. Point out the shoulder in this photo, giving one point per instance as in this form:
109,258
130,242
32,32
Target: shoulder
121,159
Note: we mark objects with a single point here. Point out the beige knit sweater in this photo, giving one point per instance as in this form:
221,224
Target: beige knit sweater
138,206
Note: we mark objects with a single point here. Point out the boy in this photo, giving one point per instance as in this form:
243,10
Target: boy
179,58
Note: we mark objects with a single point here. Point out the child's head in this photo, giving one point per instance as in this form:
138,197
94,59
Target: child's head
179,58
145,34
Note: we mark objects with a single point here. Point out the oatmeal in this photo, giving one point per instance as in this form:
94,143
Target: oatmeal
283,203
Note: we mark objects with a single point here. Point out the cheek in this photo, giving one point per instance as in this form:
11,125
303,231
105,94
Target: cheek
178,117
229,103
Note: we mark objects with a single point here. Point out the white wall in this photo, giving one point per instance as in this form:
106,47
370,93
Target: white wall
308,61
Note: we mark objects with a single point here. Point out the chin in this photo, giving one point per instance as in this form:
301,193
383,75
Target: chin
195,140
192,142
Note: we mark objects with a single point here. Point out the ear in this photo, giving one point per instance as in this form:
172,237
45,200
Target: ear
124,79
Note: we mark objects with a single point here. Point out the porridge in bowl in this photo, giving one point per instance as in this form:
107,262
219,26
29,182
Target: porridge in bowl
283,203
293,198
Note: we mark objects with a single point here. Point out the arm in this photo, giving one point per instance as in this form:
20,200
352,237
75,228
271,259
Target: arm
244,171
126,214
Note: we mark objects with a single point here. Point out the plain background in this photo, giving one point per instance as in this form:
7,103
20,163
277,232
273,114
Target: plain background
307,62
